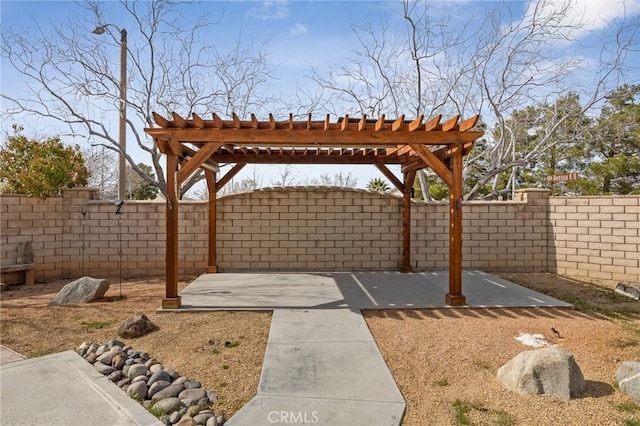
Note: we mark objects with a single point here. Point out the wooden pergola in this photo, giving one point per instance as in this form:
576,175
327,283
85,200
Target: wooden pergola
195,143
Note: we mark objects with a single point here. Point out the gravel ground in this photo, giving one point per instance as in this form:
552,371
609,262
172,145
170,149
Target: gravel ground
444,360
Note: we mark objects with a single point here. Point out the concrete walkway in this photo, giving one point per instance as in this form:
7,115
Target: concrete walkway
322,366
64,389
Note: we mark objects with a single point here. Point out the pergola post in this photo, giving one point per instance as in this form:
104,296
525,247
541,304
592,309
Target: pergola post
409,178
210,176
454,297
171,299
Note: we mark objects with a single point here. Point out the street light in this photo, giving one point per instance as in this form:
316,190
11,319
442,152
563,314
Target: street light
122,162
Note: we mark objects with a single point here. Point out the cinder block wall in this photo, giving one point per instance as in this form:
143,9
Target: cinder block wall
497,236
595,237
311,228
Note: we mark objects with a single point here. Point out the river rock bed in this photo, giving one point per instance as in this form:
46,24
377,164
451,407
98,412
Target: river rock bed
173,398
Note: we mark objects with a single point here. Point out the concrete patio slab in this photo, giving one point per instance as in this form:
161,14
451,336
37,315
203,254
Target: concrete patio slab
354,290
64,389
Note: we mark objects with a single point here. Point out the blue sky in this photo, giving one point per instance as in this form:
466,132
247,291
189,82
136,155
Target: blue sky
296,34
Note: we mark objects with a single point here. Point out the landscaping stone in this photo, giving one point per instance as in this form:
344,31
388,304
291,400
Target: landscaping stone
137,390
156,387
628,378
136,370
194,394
103,368
168,405
548,371
85,289
135,326
183,401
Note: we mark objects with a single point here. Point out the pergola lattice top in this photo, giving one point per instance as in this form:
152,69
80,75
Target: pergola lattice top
347,141
195,143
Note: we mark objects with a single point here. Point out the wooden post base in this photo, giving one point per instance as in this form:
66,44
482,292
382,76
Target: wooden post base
406,269
456,299
212,269
171,303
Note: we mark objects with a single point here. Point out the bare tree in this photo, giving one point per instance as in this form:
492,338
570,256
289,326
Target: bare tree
446,64
72,75
103,173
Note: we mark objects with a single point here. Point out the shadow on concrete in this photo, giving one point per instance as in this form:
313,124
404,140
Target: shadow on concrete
356,291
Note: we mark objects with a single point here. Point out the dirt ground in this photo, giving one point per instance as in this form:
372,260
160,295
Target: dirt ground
191,343
444,360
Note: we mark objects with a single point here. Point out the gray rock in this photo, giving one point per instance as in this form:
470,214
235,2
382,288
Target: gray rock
150,362
140,379
212,396
186,421
182,380
102,349
155,367
137,390
549,371
220,420
115,376
103,368
92,357
126,348
167,405
135,326
194,410
85,289
188,402
194,394
147,404
175,416
159,375
174,375
123,382
628,378
202,418
170,391
203,402
156,387
113,342
145,356
212,421
165,420
83,348
106,358
136,370
191,384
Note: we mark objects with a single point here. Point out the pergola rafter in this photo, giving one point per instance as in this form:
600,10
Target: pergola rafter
197,142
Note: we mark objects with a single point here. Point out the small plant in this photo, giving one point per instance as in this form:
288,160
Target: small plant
484,365
623,344
504,419
441,382
157,411
215,351
462,409
232,344
225,366
631,422
628,407
223,384
93,325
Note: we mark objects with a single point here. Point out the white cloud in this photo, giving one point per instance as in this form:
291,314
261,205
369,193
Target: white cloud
271,9
588,15
299,29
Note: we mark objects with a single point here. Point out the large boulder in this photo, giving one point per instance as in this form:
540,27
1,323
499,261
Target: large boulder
628,378
135,326
548,371
85,289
